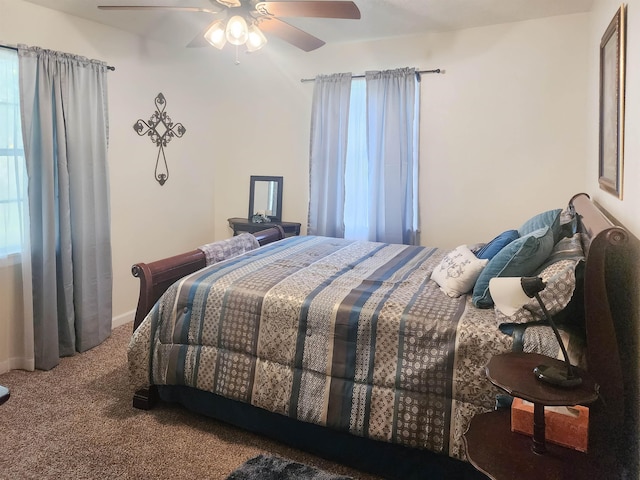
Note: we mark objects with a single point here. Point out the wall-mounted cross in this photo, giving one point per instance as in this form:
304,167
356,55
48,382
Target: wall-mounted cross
161,130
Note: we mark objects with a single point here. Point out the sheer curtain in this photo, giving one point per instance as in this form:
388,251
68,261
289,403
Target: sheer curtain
356,205
16,320
12,175
392,141
65,129
329,122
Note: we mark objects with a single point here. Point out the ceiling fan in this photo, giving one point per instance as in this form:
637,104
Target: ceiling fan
245,24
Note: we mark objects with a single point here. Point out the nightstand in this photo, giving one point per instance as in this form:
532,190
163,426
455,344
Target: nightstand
495,450
239,225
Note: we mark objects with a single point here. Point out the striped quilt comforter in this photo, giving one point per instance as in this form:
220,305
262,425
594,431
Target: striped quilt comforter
347,334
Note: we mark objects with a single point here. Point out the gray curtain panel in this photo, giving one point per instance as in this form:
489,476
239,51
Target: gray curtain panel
328,156
63,102
392,143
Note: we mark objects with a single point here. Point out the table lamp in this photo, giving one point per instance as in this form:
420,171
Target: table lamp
510,294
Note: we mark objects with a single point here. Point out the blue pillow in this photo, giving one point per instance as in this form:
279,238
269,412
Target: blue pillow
520,258
494,246
550,218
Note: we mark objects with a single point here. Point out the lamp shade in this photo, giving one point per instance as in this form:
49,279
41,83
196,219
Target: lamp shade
256,39
215,34
237,31
507,294
511,293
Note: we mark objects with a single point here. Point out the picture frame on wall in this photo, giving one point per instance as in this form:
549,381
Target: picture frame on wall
612,94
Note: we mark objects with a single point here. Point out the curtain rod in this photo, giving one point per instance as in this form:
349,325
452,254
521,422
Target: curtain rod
11,47
436,70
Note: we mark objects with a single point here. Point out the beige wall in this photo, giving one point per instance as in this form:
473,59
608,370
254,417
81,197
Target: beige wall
506,131
11,333
625,210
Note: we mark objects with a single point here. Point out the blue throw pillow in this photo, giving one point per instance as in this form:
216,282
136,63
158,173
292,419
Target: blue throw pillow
494,246
520,258
550,218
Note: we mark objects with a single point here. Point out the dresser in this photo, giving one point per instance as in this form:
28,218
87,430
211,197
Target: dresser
241,225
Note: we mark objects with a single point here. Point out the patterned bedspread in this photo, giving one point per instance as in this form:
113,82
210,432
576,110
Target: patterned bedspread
347,334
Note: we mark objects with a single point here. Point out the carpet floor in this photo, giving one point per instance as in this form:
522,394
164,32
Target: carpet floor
76,422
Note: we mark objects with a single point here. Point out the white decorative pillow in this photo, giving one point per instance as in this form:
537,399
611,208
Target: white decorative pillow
458,271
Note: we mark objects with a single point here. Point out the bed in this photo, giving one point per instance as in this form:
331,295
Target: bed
343,347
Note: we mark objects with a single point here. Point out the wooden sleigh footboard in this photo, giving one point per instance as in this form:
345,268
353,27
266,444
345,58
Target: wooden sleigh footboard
156,277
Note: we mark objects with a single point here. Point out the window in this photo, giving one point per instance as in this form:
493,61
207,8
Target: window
13,179
363,167
356,206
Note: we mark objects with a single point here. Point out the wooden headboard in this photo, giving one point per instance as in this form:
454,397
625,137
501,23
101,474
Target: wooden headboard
604,243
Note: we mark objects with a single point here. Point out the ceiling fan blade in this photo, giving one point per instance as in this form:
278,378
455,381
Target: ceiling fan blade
159,7
309,9
291,34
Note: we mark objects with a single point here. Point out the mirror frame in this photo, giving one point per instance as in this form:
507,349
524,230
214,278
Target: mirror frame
262,178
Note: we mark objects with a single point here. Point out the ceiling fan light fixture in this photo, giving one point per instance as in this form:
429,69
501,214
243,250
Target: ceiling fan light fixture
253,12
237,31
215,35
256,39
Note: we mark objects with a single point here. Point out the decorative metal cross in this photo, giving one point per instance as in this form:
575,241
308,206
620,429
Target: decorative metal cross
161,130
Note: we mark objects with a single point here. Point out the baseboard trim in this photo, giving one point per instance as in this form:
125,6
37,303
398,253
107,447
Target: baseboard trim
27,364
122,319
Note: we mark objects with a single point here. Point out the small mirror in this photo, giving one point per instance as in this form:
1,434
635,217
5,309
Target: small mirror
265,199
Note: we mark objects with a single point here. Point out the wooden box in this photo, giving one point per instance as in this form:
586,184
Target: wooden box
566,426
